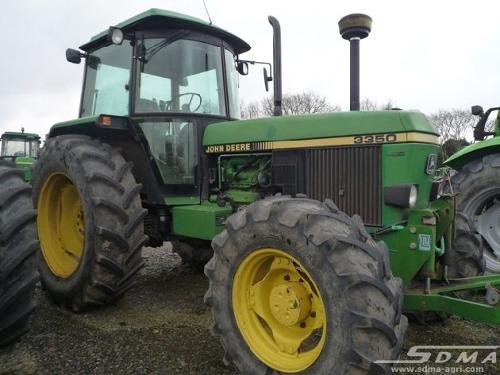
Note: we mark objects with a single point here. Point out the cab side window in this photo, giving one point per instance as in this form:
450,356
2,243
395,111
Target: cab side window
107,81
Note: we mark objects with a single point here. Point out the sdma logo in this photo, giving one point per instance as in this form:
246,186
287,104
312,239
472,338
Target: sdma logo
462,354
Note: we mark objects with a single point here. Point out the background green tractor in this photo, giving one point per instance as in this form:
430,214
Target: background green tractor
22,149
18,249
296,285
478,183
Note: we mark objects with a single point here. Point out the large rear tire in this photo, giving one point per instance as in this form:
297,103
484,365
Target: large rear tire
90,221
478,185
18,246
466,258
296,286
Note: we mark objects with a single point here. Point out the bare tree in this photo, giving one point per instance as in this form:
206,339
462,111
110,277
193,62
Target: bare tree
299,104
372,105
250,110
453,124
292,104
490,124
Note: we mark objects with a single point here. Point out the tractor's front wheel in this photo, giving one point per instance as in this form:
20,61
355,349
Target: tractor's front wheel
90,221
296,286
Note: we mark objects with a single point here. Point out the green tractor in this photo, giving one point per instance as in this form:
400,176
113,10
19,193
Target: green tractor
478,182
297,282
22,149
18,249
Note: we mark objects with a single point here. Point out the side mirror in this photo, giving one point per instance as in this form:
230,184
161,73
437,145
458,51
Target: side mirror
267,78
479,133
74,56
477,110
242,67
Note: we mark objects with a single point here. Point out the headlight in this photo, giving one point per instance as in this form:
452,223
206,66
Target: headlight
115,35
412,201
404,195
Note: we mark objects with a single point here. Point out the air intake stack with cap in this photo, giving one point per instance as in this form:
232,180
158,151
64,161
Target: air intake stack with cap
353,28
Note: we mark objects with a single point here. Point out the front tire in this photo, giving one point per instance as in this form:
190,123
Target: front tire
90,221
18,247
478,185
296,286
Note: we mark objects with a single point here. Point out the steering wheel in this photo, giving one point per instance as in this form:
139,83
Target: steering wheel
188,104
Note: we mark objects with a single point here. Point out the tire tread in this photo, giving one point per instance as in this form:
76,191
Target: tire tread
18,248
321,225
118,227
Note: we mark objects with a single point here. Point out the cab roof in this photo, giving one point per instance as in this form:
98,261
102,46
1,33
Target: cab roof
154,19
20,135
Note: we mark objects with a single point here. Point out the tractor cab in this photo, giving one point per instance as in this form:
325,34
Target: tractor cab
171,75
161,63
19,144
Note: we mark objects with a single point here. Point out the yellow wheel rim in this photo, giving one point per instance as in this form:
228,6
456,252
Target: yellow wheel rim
60,224
279,310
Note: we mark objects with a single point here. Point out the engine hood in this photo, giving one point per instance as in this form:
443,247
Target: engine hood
319,130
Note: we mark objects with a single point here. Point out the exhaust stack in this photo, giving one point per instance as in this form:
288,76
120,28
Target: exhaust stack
278,111
353,28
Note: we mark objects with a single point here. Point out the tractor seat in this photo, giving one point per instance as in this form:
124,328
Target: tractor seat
146,105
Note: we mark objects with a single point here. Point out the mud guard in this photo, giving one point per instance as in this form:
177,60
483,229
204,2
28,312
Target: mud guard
473,152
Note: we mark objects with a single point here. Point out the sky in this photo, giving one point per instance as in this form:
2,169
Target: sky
425,55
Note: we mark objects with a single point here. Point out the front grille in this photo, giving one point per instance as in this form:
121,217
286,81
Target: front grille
350,176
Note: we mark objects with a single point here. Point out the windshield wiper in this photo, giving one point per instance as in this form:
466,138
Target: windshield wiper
153,50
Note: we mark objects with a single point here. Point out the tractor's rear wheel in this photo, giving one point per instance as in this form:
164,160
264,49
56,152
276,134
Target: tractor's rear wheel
466,258
90,221
478,185
296,286
18,247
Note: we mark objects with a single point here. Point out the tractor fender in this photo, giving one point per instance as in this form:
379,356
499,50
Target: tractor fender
92,126
473,152
118,131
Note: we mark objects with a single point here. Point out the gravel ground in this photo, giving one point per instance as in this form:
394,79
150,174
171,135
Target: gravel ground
162,327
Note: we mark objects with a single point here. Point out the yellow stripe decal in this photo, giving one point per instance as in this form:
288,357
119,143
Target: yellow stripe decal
325,142
422,137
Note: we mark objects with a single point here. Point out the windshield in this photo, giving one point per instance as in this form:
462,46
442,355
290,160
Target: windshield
178,75
19,147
